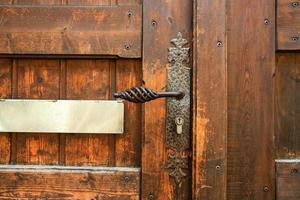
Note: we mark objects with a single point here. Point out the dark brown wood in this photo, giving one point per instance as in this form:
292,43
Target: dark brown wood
74,74
37,79
71,30
287,101
72,2
287,179
251,65
128,145
5,92
88,79
162,20
28,182
210,100
288,27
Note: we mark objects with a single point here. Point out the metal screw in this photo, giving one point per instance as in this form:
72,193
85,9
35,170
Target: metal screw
266,189
294,171
218,167
219,44
154,23
295,4
151,196
130,13
126,179
267,21
127,46
295,39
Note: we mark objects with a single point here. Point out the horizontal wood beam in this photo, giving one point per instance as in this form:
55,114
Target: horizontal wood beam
57,182
71,30
288,26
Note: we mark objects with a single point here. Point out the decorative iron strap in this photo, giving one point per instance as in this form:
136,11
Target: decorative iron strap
142,95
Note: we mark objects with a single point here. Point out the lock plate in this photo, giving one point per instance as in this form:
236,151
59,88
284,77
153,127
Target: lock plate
178,112
179,79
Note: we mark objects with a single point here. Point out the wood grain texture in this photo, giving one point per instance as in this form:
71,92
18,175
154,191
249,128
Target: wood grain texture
5,92
104,2
72,2
88,79
287,179
251,66
288,27
65,183
128,145
162,20
210,100
37,79
71,30
287,101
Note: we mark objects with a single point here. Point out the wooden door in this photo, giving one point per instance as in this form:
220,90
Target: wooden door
82,50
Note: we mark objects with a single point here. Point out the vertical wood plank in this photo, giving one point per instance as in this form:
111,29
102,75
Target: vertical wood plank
88,79
128,74
251,63
14,94
5,92
210,100
287,101
37,79
162,20
62,95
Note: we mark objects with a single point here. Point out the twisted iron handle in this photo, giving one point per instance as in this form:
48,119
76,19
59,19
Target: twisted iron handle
142,95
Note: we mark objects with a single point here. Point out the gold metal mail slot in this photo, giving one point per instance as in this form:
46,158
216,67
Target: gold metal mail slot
62,116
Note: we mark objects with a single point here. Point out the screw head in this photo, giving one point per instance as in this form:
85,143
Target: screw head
127,46
151,197
219,44
294,171
129,13
154,23
267,21
295,4
218,167
126,179
295,38
266,189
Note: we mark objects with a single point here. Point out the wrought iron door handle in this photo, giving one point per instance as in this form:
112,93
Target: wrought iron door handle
142,95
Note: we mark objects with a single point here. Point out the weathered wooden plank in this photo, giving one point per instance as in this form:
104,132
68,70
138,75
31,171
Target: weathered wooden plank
66,183
128,145
251,65
88,79
37,79
104,2
288,27
210,100
162,20
287,101
287,179
71,30
5,92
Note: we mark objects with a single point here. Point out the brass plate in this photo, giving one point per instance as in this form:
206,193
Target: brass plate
62,116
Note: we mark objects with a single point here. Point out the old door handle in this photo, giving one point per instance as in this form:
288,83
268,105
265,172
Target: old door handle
142,95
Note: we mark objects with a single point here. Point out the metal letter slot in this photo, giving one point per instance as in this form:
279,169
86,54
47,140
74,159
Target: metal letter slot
62,116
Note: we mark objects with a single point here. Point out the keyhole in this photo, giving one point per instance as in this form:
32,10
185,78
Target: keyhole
179,121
